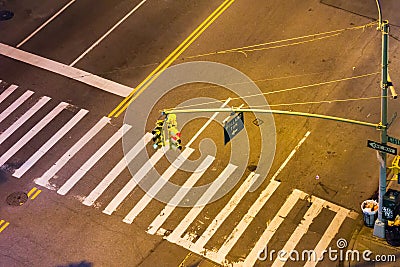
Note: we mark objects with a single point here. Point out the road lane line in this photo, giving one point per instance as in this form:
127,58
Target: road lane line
11,108
246,220
65,70
36,194
272,228
156,187
207,123
31,191
224,213
49,144
35,130
177,198
127,189
4,225
44,180
290,155
301,229
21,120
113,174
327,237
44,24
170,59
107,33
77,176
7,92
175,236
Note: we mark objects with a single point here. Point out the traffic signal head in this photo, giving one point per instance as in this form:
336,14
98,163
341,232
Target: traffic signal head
158,134
175,138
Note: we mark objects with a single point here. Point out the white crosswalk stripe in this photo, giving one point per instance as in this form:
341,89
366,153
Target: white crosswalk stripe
11,108
21,120
184,234
36,129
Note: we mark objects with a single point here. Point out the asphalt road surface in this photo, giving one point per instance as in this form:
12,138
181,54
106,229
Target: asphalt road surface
75,163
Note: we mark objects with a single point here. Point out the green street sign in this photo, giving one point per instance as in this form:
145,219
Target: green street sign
393,140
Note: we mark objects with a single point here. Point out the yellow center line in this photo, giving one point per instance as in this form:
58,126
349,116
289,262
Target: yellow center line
4,226
36,194
31,192
170,59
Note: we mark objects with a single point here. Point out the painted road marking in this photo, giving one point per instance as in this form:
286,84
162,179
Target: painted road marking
7,92
49,144
170,59
44,24
35,130
177,198
224,213
328,235
44,180
128,188
175,236
21,120
107,33
3,225
35,193
301,229
65,70
11,108
71,182
145,200
272,227
121,165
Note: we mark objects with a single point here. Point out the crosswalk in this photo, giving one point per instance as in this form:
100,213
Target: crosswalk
26,105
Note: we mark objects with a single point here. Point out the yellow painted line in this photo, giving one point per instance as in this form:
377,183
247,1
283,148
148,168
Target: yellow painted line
170,59
31,192
184,260
4,226
36,194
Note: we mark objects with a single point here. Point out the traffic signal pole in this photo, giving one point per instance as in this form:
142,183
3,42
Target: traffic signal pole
379,227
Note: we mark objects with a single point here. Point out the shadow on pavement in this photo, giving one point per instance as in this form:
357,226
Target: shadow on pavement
80,264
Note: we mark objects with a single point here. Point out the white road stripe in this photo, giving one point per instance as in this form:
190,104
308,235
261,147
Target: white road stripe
224,213
65,70
272,228
175,236
121,165
107,33
21,120
7,92
246,220
29,135
49,144
290,155
11,108
71,182
301,229
329,234
44,24
177,198
127,189
44,180
145,200
207,123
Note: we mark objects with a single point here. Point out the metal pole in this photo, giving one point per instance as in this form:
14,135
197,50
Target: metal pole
379,228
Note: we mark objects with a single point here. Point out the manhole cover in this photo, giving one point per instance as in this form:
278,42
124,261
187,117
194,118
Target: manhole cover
17,198
6,15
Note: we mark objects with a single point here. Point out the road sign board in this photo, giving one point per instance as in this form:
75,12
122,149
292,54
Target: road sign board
393,140
382,147
233,127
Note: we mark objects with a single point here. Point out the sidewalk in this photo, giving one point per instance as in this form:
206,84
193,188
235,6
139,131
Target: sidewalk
363,239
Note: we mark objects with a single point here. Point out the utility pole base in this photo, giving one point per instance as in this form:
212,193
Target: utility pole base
379,229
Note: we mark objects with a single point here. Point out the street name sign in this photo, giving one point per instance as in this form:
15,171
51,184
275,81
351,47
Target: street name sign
382,147
233,127
393,140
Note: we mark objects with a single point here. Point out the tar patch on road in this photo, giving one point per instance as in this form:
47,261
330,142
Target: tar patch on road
6,15
17,199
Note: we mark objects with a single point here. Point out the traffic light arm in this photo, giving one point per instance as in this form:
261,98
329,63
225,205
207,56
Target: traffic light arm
283,112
